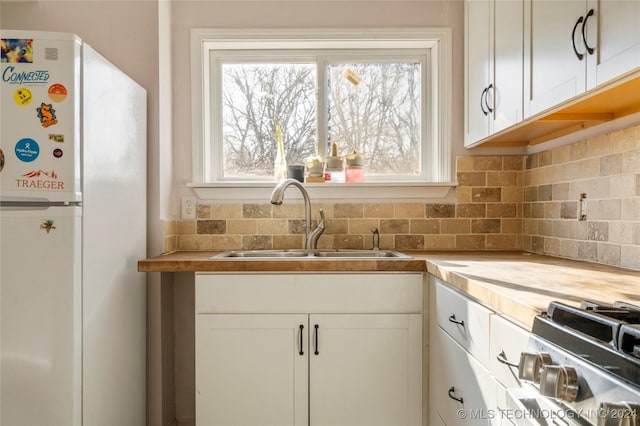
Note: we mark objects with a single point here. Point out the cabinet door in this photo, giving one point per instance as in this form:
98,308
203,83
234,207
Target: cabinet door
454,373
367,370
249,370
614,33
506,94
553,72
477,77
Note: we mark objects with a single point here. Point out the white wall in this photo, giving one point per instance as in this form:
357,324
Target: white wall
188,14
126,33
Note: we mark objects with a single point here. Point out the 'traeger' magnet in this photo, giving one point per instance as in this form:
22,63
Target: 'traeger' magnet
57,92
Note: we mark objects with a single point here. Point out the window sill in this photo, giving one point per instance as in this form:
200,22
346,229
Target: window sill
354,192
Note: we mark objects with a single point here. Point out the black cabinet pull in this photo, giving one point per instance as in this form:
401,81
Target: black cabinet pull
482,101
502,357
453,319
584,36
316,338
573,38
301,341
452,395
486,97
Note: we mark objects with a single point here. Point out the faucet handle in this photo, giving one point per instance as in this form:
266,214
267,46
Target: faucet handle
376,238
321,223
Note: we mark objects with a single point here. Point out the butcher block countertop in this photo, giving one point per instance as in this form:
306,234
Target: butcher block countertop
517,284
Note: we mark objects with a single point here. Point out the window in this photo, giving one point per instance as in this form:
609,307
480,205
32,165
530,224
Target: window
382,93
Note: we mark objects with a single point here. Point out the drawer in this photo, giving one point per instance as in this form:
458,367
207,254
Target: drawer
506,343
466,321
309,293
455,373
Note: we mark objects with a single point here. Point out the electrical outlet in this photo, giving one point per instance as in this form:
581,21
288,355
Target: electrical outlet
188,208
582,202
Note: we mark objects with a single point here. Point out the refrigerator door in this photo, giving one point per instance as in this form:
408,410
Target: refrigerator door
40,316
39,116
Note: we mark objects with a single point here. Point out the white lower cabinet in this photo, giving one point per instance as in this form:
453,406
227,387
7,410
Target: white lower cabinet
461,390
473,357
310,368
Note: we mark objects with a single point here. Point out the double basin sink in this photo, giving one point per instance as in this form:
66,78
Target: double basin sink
311,254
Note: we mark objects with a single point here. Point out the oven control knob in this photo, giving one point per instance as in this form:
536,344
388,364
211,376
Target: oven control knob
531,365
559,382
618,414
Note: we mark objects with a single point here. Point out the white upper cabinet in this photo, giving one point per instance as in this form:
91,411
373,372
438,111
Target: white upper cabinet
613,31
493,71
573,46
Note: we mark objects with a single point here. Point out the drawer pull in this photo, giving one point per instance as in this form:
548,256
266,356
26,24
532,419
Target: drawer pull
452,395
502,357
301,342
316,351
453,319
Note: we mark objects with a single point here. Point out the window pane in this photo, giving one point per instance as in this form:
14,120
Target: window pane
374,109
255,97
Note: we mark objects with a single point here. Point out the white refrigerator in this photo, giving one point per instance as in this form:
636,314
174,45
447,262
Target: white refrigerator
72,228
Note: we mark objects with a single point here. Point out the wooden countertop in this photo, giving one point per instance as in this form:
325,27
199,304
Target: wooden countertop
517,284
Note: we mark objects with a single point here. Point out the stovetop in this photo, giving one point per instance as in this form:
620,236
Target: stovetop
607,336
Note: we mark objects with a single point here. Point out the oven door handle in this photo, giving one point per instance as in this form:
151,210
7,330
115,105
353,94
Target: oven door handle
502,358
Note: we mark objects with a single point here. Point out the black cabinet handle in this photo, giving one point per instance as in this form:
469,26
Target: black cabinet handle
301,341
573,38
502,357
486,97
584,36
316,338
482,101
453,319
453,396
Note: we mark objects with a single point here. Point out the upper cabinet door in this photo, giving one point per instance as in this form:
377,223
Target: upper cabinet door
555,54
506,96
616,45
477,69
493,66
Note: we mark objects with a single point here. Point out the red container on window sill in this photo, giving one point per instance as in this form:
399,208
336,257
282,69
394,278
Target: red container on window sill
354,174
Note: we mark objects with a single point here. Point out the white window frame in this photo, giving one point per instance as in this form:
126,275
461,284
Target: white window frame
437,40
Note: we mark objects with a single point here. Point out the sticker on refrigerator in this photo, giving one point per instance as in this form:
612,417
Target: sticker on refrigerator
22,96
27,150
39,179
47,115
56,138
57,92
57,153
17,50
47,225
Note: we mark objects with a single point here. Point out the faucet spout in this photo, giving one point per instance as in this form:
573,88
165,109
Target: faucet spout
277,197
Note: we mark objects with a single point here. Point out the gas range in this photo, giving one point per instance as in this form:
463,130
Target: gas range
582,366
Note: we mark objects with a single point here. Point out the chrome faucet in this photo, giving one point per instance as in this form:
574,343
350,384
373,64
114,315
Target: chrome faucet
277,197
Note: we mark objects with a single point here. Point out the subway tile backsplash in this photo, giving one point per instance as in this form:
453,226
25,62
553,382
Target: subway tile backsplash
526,203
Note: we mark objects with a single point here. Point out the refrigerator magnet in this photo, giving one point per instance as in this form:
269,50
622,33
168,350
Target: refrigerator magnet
1,160
27,150
47,225
47,115
57,153
17,50
22,96
57,92
56,138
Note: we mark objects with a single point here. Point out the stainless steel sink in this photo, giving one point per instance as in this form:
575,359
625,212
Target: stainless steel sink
310,254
